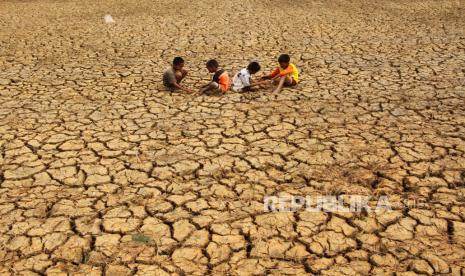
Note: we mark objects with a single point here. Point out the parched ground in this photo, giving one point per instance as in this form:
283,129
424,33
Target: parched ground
103,172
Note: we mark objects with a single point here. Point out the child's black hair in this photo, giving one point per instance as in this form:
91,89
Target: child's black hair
254,67
178,61
284,58
212,63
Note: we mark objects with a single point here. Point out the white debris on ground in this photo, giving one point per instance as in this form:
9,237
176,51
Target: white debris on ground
108,19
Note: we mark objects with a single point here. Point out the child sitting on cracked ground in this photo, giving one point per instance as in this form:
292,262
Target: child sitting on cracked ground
174,75
220,82
243,82
286,74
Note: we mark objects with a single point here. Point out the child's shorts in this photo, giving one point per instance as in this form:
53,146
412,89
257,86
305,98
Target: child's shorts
170,87
293,83
217,88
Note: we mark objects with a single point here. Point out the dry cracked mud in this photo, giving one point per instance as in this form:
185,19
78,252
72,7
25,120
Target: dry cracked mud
103,172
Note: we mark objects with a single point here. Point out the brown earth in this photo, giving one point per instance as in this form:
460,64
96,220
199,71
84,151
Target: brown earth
103,172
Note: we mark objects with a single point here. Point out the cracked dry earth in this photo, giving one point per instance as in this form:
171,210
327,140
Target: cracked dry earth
104,173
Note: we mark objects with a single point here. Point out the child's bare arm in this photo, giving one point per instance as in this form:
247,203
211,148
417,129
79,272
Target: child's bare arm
259,82
272,75
183,88
277,77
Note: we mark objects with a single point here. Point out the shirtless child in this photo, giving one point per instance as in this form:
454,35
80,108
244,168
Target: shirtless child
174,75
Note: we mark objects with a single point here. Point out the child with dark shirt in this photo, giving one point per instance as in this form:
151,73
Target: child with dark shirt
220,82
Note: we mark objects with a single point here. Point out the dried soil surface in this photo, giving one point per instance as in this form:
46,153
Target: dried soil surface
103,172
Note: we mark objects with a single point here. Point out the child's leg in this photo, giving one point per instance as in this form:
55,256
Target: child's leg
211,86
290,82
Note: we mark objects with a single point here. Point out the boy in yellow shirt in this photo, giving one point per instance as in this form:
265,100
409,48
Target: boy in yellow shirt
284,75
